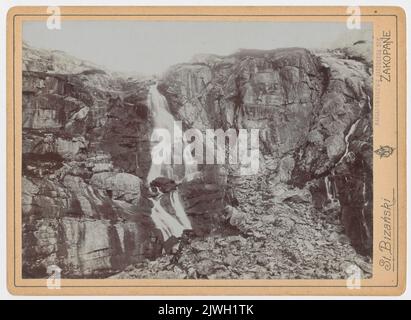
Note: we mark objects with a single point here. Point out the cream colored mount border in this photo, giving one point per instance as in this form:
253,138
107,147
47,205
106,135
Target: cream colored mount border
389,173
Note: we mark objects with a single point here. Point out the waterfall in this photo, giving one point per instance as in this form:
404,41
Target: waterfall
169,225
163,119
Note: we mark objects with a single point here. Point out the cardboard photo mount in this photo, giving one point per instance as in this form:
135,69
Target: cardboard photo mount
389,172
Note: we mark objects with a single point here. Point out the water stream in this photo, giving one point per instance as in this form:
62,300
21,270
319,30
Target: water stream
347,139
169,224
328,187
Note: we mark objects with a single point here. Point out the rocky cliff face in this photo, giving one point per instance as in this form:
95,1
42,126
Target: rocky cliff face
86,156
314,115
82,203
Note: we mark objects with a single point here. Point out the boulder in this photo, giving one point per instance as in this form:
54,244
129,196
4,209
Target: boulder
235,217
283,193
164,185
121,186
285,169
80,247
335,146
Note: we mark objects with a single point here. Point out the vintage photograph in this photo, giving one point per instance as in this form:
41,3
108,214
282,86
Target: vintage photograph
197,150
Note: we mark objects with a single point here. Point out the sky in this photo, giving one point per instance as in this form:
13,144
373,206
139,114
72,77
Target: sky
150,47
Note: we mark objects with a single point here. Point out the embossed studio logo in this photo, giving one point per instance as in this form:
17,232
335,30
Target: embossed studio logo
384,151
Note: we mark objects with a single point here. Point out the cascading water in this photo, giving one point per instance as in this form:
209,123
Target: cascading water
363,220
330,185
169,225
328,188
331,189
369,105
347,139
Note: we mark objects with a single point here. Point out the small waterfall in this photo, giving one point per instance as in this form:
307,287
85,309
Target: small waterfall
369,103
328,188
331,189
347,139
363,220
330,184
169,225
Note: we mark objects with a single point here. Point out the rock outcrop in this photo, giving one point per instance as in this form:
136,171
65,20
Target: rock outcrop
313,111
83,229
83,207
